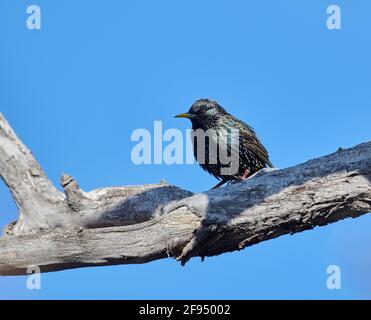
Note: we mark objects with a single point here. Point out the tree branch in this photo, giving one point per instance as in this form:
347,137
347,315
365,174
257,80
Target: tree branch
138,224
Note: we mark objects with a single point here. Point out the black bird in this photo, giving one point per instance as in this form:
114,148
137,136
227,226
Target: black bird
210,117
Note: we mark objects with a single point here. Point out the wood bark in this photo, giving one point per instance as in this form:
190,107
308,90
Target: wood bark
138,224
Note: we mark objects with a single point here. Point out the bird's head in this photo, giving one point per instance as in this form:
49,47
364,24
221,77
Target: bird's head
202,112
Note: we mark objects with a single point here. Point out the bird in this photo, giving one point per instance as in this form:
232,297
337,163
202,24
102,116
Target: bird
209,116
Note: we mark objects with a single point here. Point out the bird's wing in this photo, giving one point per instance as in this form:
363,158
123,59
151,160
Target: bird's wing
249,137
256,146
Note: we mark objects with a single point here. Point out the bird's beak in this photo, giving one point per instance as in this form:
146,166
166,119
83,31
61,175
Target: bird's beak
185,115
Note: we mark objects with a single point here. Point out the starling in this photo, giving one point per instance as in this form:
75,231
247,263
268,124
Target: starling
208,116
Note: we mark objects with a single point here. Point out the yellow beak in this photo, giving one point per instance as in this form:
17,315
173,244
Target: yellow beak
185,115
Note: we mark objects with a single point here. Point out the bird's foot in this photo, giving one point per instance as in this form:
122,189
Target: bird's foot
262,172
245,175
242,178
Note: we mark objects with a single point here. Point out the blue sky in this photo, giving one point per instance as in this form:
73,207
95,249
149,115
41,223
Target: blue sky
76,89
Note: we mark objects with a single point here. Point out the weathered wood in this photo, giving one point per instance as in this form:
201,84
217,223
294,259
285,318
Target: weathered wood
42,207
139,224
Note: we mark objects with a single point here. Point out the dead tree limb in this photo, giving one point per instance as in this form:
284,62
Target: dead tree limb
138,224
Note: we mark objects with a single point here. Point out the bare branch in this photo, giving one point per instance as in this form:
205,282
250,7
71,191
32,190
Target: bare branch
143,223
33,193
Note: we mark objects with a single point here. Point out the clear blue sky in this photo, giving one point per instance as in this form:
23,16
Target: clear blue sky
75,90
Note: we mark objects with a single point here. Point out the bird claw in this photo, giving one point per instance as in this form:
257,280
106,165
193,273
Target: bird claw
245,175
260,173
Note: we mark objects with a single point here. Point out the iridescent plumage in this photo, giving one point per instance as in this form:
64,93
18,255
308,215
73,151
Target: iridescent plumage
208,116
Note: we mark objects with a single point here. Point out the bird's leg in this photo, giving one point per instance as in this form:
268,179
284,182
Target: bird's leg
242,178
221,183
245,175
